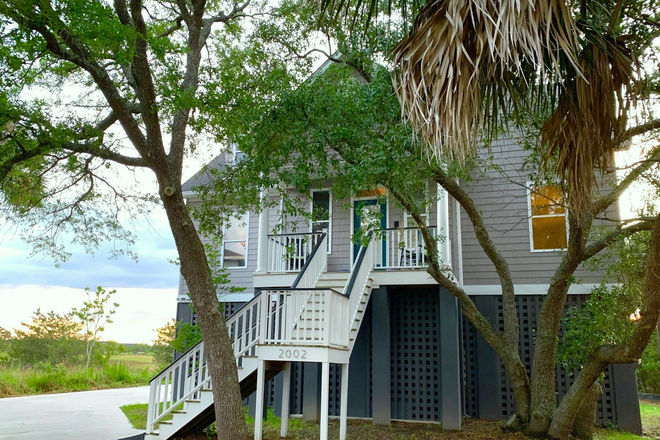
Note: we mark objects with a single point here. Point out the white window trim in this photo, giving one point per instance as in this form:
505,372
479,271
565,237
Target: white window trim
247,245
234,152
311,209
529,221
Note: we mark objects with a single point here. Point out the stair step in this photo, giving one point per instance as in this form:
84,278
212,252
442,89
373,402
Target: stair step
179,411
192,401
166,422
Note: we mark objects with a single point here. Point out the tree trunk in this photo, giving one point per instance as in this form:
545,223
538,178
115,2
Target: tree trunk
585,421
565,414
218,348
544,400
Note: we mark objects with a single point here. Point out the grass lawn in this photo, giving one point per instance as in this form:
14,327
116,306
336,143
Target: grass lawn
474,429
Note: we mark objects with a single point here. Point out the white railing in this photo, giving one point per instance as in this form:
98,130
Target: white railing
402,248
357,281
186,376
286,312
317,263
310,317
289,252
181,381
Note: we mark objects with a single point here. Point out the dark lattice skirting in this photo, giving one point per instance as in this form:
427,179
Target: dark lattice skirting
529,307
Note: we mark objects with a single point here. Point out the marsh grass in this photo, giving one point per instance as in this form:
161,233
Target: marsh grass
44,379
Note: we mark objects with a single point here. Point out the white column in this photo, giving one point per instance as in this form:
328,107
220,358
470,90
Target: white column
444,251
286,388
325,399
262,248
259,406
343,404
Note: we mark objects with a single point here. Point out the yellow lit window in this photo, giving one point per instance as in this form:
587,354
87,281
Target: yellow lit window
547,222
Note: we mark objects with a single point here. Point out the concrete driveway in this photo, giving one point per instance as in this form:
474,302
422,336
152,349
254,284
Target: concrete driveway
83,415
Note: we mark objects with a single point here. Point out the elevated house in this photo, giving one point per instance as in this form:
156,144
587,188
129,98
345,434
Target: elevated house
326,327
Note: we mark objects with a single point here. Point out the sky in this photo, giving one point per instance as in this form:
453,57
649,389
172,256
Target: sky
146,289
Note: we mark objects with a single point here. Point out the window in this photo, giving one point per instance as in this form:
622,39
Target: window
423,204
238,154
322,214
547,219
234,244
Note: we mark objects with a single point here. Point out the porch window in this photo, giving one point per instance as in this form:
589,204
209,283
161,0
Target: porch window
547,219
234,244
322,214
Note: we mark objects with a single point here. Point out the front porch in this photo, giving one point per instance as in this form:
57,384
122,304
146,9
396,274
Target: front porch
400,257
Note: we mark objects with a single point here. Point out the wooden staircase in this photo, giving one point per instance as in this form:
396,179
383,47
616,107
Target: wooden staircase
317,320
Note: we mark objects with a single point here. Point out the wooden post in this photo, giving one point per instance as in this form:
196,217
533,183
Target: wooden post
286,389
262,249
343,405
259,406
325,399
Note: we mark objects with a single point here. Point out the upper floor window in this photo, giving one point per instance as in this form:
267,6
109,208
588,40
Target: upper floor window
322,214
238,154
547,219
235,241
421,199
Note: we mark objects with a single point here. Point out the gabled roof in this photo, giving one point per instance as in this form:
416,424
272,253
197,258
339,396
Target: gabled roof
203,176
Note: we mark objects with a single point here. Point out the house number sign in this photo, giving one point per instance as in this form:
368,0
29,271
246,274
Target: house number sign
293,354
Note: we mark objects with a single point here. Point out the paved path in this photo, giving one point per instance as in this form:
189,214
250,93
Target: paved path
86,415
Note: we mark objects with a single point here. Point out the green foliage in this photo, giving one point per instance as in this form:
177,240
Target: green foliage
163,348
94,315
187,336
106,350
648,372
48,378
606,317
50,338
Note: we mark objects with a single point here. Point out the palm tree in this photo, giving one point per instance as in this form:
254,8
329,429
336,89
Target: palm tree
467,65
466,68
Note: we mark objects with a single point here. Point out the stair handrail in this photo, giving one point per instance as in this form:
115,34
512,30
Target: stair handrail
177,369
359,261
357,282
318,264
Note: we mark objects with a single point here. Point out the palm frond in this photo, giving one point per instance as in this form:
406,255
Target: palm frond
577,139
461,51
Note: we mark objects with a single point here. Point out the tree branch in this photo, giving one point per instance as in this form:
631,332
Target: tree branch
604,202
612,237
637,130
511,326
146,89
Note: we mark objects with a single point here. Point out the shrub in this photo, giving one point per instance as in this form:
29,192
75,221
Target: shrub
118,372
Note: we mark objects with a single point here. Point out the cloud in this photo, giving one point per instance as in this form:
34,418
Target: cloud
155,247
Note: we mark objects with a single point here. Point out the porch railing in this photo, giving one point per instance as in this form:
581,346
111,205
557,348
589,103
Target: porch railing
310,317
289,252
401,248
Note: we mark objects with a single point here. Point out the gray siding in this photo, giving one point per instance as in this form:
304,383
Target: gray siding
239,277
502,198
